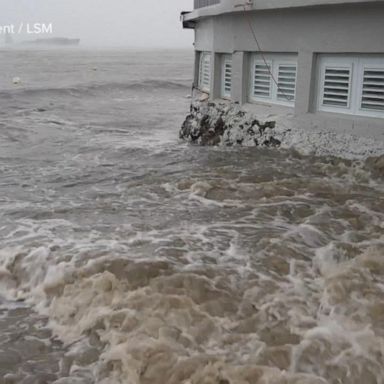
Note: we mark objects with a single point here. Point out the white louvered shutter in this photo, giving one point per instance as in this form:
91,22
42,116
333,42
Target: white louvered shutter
205,72
337,86
262,80
286,89
227,77
372,97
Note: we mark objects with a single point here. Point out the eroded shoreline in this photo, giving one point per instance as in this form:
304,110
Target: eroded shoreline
228,124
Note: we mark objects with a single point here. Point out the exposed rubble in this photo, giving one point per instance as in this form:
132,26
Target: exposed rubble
224,123
211,123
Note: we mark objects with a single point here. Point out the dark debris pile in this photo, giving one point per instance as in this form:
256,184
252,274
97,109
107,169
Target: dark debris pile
211,123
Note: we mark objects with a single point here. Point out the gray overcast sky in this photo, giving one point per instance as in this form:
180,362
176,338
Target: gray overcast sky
145,23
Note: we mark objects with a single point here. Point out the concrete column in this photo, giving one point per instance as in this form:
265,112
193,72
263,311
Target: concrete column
306,75
196,69
215,76
239,77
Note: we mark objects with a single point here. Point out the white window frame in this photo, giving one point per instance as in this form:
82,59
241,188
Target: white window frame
266,63
274,61
358,64
226,59
335,63
203,86
372,63
275,87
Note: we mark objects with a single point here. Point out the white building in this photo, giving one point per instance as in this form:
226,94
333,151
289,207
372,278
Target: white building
319,60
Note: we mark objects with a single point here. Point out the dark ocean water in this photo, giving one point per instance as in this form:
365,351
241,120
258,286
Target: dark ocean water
127,256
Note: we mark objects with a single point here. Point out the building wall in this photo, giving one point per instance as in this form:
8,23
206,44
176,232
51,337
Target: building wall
204,34
348,28
339,28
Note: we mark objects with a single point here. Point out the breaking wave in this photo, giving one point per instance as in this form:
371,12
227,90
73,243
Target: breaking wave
239,279
155,262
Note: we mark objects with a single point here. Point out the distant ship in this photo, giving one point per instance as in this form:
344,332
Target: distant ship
57,41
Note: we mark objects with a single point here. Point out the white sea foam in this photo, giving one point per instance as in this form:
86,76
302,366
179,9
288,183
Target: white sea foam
177,264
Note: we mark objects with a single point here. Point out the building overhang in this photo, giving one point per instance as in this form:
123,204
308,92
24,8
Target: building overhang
187,24
236,6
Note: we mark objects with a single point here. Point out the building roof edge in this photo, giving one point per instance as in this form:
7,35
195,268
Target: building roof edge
235,6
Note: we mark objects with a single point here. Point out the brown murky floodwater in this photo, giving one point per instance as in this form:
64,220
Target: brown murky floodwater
155,262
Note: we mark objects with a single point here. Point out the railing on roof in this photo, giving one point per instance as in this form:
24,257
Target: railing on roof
205,3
